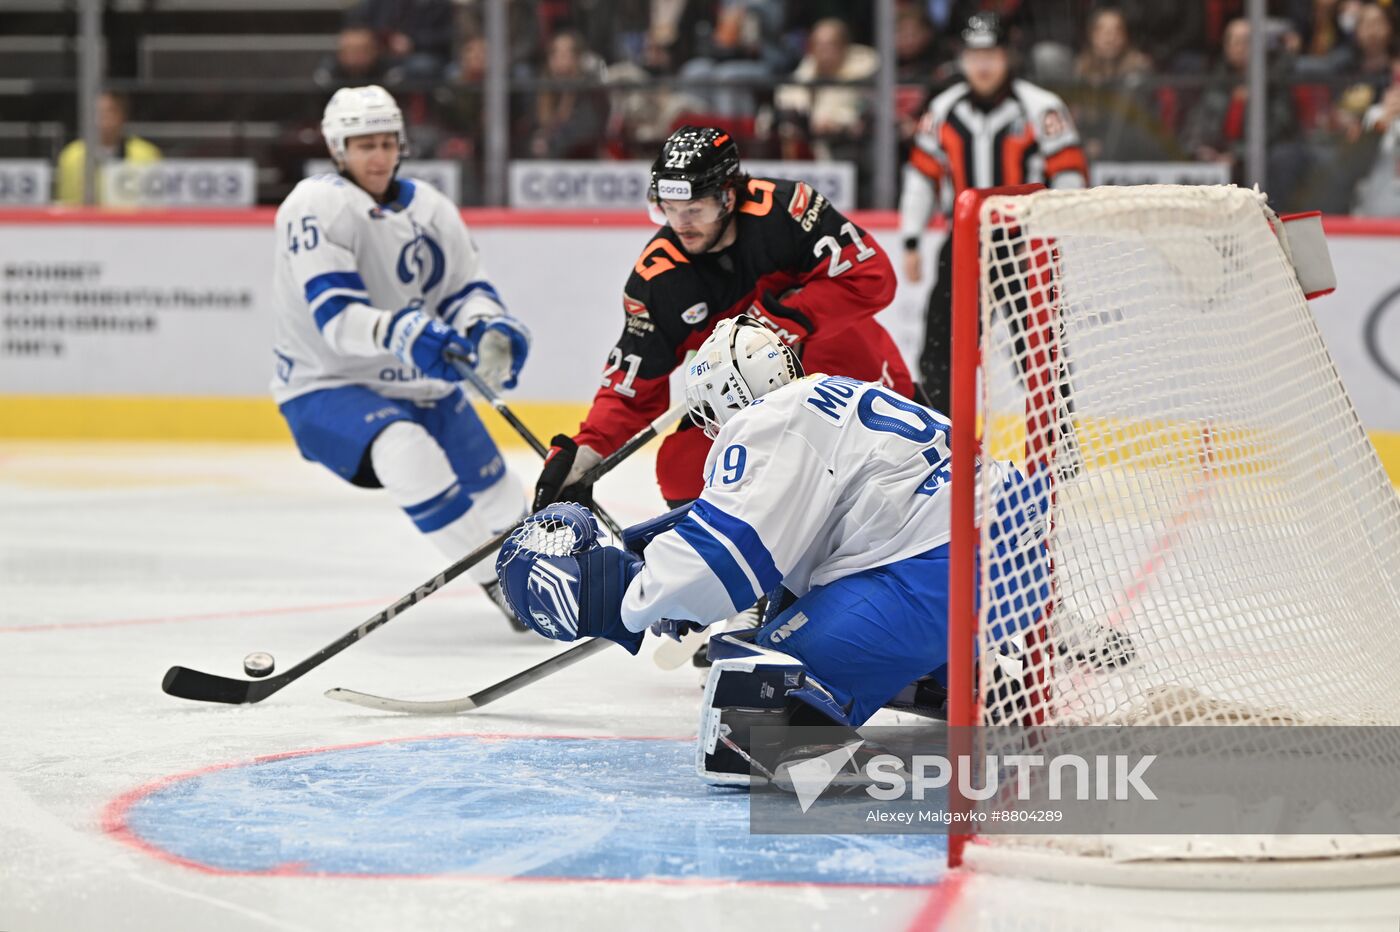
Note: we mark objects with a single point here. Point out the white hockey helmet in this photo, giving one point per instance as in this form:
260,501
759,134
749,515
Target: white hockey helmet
740,361
360,111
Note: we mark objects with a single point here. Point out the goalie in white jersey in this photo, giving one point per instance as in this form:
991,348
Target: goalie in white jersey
833,489
377,287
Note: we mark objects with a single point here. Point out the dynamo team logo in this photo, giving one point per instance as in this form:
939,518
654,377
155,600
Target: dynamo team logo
421,260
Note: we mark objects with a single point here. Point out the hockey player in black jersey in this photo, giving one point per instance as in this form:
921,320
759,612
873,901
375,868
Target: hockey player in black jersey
729,243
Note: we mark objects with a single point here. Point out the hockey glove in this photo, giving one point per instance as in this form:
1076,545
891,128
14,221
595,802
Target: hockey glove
502,343
791,325
562,582
423,341
558,481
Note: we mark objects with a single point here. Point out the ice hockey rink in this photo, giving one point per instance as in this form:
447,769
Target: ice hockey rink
572,804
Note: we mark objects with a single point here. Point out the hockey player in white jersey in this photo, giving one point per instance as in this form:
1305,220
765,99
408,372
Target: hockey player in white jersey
833,489
377,285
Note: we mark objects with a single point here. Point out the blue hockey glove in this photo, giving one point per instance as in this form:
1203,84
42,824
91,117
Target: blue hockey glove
423,341
502,344
563,582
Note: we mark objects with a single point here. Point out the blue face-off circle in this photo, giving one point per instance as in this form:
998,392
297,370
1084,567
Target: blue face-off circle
488,806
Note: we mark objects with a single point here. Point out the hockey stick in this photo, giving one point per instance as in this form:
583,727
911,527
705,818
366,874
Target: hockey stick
477,699
528,435
636,540
185,683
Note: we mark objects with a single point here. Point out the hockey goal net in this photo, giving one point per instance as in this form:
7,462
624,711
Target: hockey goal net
1218,519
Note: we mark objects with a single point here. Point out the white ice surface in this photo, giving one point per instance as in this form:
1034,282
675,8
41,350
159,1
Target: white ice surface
117,561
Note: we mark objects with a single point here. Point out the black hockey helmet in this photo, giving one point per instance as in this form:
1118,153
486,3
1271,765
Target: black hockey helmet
695,162
984,30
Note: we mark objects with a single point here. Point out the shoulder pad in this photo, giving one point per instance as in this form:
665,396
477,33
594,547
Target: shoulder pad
324,194
1047,114
943,102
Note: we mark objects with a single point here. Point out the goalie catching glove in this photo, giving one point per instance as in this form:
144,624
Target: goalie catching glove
564,582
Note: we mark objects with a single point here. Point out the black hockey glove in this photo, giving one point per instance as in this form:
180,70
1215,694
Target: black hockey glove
791,325
554,485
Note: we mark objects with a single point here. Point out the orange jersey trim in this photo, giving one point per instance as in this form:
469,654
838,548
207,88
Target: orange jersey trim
1069,159
926,164
760,207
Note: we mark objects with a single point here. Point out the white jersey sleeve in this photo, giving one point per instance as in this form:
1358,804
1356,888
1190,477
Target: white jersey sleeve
317,239
927,170
744,533
466,294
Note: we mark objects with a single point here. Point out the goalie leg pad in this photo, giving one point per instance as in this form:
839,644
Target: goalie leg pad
751,686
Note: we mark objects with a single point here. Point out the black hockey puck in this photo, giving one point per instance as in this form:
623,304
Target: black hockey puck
258,663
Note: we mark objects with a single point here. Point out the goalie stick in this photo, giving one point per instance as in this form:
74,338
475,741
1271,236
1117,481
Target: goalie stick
187,683
635,538
477,699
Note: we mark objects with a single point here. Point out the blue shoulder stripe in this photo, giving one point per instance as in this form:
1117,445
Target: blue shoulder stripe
329,280
332,306
720,561
745,540
459,296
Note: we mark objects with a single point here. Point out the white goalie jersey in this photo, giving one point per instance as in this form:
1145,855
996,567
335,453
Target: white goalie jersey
824,477
345,262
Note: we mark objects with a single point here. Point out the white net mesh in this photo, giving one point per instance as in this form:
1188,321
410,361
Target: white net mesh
1218,513
547,534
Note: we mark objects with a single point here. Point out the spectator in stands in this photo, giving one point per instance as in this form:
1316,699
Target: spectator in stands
358,60
830,120
1379,194
917,56
672,30
1372,46
1109,56
416,33
117,145
569,121
1108,103
1172,34
746,44
460,111
858,16
1215,128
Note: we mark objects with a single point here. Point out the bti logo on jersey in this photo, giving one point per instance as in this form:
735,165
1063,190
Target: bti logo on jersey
421,259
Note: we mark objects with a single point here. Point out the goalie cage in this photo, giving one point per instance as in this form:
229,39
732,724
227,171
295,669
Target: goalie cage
1214,497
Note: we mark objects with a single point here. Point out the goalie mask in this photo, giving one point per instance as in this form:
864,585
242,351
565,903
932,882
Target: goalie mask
739,362
361,111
